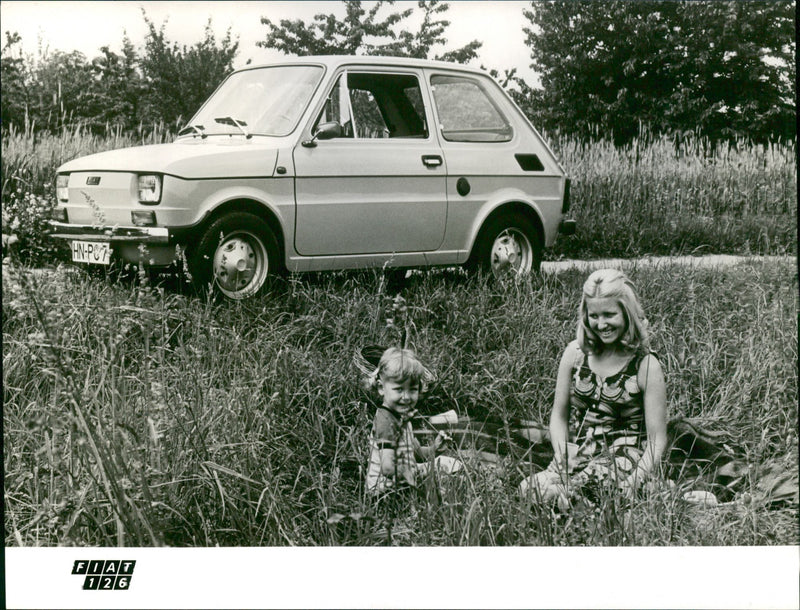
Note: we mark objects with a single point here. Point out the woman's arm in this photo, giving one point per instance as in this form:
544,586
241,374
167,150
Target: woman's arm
651,380
559,417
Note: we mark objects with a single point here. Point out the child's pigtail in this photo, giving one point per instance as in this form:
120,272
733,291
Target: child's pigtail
372,379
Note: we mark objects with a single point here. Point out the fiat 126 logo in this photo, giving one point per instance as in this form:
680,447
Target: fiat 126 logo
111,574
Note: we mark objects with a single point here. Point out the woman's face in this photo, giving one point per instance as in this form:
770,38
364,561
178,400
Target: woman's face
399,396
605,318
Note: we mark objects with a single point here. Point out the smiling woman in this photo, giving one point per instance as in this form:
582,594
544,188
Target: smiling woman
610,400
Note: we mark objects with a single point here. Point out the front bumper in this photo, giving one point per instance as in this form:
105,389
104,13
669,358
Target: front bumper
139,235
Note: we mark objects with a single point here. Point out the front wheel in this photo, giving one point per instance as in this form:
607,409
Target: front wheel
507,245
235,256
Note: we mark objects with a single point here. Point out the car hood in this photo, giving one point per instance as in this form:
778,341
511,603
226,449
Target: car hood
214,157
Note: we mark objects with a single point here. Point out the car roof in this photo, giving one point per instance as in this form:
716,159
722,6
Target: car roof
334,61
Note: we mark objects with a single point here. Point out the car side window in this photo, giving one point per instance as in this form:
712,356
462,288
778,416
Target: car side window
371,105
337,108
466,112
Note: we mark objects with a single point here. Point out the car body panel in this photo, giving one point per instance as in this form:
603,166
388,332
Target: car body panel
362,197
199,159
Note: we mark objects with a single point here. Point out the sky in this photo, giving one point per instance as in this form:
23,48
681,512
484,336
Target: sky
86,26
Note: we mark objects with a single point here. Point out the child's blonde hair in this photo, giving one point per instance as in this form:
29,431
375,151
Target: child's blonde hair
401,365
614,284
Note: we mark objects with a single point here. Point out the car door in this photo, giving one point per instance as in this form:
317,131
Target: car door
380,186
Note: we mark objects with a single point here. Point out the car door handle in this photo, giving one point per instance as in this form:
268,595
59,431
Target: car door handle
432,160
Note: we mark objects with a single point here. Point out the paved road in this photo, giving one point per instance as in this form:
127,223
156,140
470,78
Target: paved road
713,260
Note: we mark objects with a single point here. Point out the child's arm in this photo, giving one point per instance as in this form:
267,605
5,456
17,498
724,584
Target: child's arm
386,455
559,417
385,434
651,380
429,452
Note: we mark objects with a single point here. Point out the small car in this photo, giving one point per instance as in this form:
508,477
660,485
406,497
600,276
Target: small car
324,163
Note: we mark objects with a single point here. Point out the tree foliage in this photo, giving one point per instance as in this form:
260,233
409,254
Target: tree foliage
363,32
160,83
721,69
14,81
115,97
177,80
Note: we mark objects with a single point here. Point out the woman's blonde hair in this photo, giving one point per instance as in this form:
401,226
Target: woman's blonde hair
613,284
401,365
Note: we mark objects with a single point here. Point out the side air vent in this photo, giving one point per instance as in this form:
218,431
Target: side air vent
530,163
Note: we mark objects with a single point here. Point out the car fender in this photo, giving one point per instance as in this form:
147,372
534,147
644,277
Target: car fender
278,201
503,197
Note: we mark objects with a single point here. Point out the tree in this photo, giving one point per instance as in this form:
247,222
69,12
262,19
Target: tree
117,88
361,32
719,69
14,79
177,80
60,89
57,88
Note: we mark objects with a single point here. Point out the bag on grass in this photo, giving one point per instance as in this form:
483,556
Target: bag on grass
698,451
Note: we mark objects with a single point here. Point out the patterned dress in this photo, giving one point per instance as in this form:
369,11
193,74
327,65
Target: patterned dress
607,425
608,419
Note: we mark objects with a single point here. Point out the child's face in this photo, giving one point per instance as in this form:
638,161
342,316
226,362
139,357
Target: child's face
399,396
605,318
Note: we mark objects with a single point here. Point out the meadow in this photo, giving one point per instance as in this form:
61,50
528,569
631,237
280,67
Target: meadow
136,414
140,413
659,195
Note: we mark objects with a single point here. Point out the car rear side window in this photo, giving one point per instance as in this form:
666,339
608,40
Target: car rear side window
466,112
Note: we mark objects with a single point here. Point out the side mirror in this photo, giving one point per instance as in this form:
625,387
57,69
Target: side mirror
325,131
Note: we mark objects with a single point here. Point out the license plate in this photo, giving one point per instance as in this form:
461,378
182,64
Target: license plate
93,252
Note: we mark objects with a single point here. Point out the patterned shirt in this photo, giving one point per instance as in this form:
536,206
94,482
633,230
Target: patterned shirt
392,431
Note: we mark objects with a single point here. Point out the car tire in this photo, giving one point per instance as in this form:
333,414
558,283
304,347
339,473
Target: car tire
507,245
235,257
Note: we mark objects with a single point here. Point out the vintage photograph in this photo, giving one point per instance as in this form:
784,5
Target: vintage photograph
405,274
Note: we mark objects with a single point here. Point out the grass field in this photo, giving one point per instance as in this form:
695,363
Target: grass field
135,414
656,196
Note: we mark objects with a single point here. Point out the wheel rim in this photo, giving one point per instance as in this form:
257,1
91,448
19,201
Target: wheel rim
240,264
511,254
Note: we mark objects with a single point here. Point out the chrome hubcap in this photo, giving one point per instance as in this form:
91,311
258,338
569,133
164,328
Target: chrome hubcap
511,254
240,265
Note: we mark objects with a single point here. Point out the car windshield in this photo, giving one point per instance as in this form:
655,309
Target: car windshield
260,101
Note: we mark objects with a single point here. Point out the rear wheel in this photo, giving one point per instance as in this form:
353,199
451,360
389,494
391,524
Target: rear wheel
507,246
235,256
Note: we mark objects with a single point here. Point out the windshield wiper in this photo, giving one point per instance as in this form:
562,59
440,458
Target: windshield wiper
229,120
194,129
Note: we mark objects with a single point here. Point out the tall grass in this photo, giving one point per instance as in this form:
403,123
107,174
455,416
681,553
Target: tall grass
135,415
31,157
680,196
655,196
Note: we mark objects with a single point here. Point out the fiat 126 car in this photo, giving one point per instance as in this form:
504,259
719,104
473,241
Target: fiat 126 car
323,163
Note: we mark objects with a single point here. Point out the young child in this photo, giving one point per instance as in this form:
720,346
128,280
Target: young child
400,379
613,387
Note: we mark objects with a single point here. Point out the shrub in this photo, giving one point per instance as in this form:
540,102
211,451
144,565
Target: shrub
25,217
